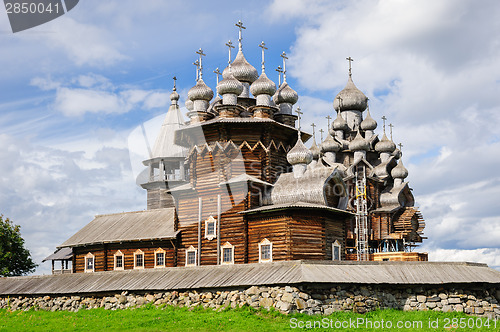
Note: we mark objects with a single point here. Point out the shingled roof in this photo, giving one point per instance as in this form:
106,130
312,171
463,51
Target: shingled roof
155,224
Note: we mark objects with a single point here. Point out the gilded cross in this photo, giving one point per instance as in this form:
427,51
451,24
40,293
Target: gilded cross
328,118
391,125
229,44
201,54
384,119
350,60
283,55
280,71
263,46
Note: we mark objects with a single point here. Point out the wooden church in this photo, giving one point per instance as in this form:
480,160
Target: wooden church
235,184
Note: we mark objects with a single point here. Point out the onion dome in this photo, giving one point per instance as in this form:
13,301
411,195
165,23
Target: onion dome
200,92
263,86
241,69
352,98
174,97
315,151
359,143
330,145
368,123
385,145
285,94
397,153
229,85
299,154
339,123
399,172
189,104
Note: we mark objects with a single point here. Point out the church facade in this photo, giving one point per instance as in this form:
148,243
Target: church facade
235,184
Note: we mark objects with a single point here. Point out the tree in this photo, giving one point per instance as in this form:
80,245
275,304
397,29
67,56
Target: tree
15,260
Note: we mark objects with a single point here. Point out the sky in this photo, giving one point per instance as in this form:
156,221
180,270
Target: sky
79,94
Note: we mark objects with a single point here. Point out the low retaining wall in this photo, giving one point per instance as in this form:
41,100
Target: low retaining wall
305,298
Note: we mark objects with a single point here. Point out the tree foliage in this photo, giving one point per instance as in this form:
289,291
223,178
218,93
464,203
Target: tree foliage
15,260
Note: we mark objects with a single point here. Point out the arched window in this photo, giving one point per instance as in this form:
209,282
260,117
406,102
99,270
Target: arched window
89,262
119,261
191,254
227,256
160,257
139,259
265,251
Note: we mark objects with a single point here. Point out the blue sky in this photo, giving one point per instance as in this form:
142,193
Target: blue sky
74,91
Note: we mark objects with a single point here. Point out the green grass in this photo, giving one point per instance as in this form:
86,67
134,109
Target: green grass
170,318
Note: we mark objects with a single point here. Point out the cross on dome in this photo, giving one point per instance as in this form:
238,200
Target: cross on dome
229,44
280,71
299,113
201,54
314,134
175,85
240,27
350,60
217,73
384,119
321,132
262,45
328,118
283,55
391,125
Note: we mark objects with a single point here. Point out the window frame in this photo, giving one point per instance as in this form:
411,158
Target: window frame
189,250
336,244
160,251
262,243
227,246
87,257
137,253
208,236
119,254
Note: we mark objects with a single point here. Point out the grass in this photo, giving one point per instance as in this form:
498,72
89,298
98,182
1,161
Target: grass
168,318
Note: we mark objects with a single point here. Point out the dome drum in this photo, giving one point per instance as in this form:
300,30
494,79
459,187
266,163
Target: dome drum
229,99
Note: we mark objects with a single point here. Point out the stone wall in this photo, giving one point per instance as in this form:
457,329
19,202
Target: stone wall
288,299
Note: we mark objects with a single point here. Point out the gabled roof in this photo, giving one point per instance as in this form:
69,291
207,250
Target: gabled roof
155,224
244,177
164,146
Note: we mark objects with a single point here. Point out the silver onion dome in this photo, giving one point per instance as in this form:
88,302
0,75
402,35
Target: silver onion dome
399,172
315,151
330,145
350,98
189,104
339,123
397,153
241,69
200,92
229,85
174,97
263,86
385,145
359,143
285,94
299,154
368,122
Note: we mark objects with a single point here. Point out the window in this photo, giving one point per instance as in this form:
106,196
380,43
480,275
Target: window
227,254
160,257
265,251
210,228
89,262
139,259
118,260
336,255
191,256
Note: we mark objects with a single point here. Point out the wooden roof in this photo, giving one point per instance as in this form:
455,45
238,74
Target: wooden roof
155,224
60,254
246,275
296,205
